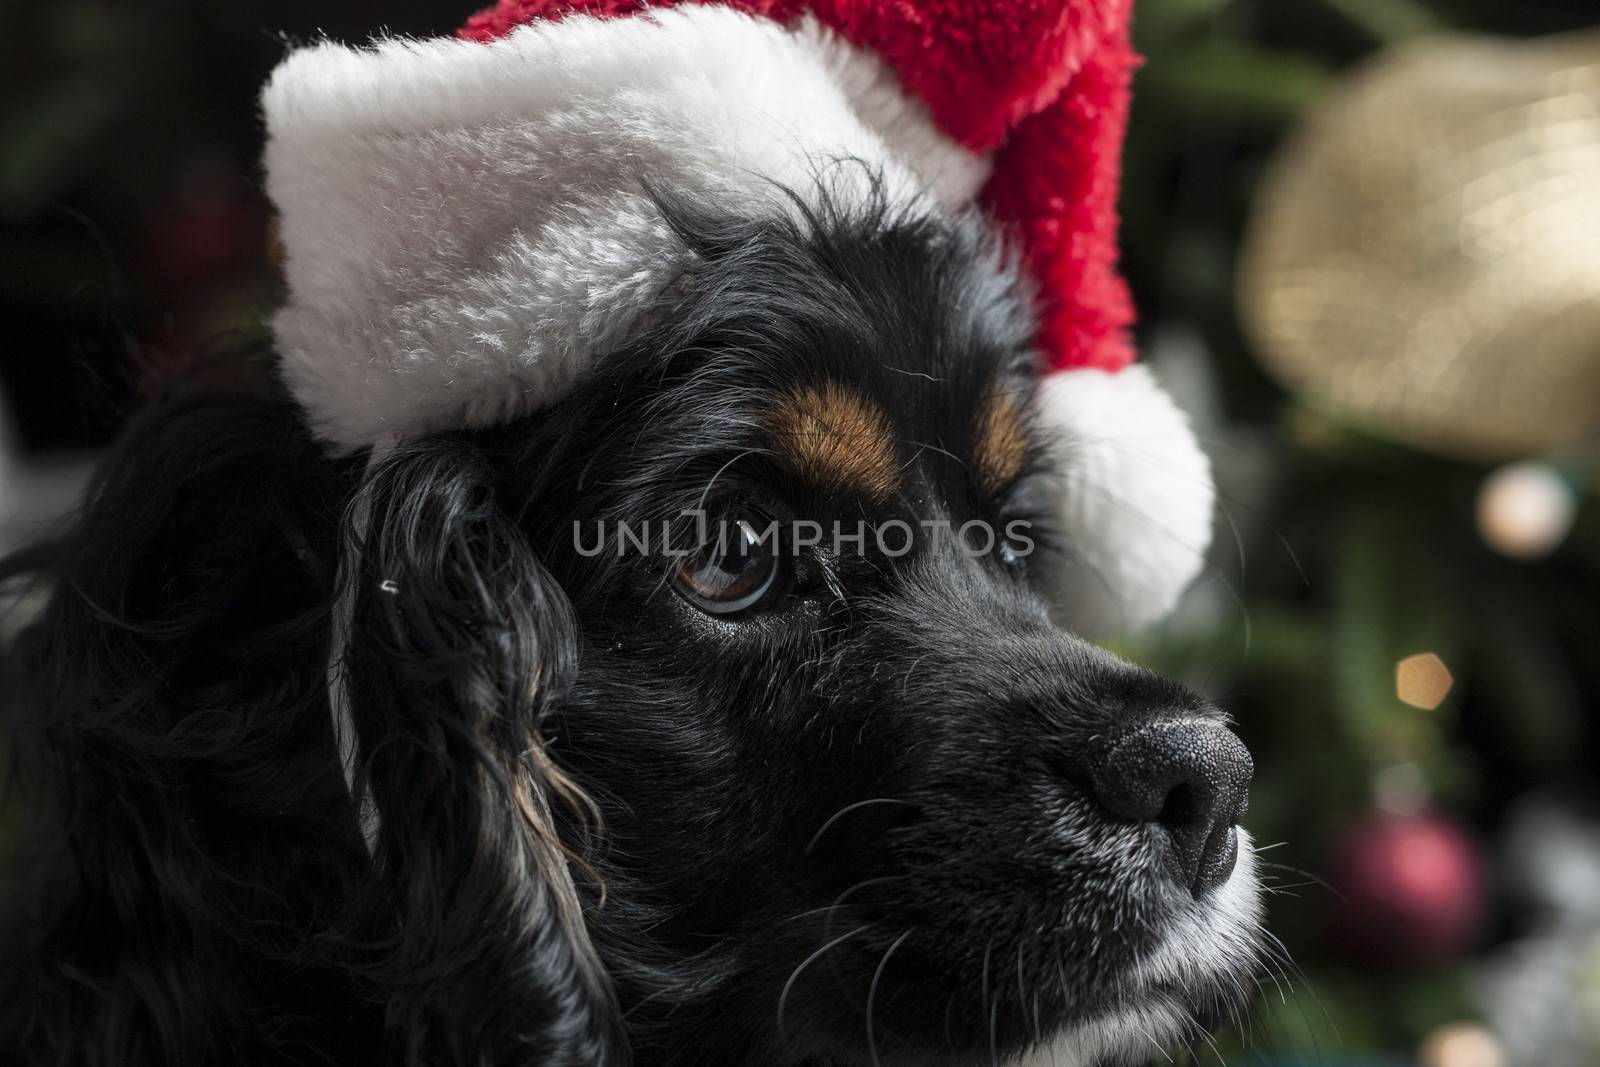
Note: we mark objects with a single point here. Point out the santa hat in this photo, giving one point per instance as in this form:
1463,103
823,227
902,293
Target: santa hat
466,229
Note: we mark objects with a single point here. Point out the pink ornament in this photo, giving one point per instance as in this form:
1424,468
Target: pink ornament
1413,891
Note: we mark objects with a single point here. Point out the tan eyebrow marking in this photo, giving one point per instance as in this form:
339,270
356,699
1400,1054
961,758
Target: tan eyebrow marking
1000,441
833,436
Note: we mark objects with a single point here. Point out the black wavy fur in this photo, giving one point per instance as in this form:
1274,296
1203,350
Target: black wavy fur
888,762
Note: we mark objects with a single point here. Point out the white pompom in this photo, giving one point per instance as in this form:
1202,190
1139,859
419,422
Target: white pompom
1134,498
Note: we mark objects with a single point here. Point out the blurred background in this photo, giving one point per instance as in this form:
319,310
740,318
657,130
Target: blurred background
1364,238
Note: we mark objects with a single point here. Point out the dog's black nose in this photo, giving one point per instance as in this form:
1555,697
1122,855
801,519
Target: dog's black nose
1191,777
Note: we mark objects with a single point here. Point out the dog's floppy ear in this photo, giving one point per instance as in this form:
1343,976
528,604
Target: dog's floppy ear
459,643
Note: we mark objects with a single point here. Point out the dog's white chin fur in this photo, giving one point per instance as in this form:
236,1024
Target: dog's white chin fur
1211,945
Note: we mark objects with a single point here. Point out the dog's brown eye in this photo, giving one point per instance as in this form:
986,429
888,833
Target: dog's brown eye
737,570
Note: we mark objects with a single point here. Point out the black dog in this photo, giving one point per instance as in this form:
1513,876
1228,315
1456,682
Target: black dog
734,795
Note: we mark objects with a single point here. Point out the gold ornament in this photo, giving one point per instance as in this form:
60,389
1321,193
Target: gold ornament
1424,254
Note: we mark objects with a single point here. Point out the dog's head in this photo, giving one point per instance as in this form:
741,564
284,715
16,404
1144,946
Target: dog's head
861,799
668,662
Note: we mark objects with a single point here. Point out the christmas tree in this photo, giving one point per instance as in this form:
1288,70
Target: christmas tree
1404,606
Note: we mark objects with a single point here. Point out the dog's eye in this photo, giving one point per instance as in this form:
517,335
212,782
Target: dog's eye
737,570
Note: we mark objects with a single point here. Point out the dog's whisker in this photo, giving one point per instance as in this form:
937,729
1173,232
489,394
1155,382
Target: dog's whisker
1159,1047
788,986
872,995
1278,971
994,1047
1314,880
923,446
847,809
984,989
838,902
1023,998
1210,1041
1274,943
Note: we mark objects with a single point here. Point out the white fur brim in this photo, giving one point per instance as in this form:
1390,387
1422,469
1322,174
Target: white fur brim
1134,498
465,227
